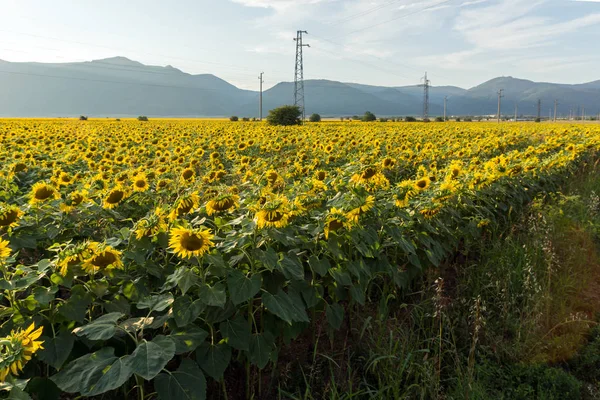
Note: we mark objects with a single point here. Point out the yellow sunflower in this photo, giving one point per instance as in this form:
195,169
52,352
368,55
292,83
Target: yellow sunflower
151,225
4,250
364,206
187,243
140,182
114,197
42,192
184,205
423,183
18,348
336,219
73,200
9,215
103,258
187,175
222,203
274,213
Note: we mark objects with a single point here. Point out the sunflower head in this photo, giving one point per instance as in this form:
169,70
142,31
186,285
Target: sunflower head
151,225
9,215
422,184
184,205
187,175
74,200
140,182
114,197
336,220
361,205
4,250
222,203
187,242
18,348
320,175
42,192
274,212
102,257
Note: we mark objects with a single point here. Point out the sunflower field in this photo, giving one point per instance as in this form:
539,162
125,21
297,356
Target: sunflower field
149,260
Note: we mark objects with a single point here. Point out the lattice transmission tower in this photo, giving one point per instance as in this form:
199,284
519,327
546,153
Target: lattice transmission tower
426,84
299,75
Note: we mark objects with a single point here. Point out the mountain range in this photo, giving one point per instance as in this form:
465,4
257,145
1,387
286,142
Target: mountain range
119,87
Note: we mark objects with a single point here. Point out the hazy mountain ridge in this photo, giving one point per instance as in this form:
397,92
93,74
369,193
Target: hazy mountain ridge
118,86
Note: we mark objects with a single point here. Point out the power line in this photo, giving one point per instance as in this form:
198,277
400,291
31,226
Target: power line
363,13
399,17
373,56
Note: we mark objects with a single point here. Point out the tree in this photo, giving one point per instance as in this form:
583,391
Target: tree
83,118
233,118
439,119
538,120
284,115
410,119
369,116
315,118
142,118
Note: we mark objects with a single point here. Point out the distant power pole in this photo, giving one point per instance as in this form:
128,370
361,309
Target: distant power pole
515,111
583,113
299,75
539,109
555,104
260,108
445,104
425,85
500,96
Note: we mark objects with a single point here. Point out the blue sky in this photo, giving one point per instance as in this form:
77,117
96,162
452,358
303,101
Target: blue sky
380,42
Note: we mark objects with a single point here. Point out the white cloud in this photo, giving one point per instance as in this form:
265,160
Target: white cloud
278,5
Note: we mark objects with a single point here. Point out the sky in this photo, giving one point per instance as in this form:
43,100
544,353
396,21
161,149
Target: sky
379,42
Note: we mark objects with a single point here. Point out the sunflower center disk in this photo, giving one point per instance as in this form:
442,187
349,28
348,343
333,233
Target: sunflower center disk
191,242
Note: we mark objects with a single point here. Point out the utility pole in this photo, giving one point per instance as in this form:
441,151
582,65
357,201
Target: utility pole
445,103
582,113
500,96
260,108
539,109
555,104
515,111
425,85
299,75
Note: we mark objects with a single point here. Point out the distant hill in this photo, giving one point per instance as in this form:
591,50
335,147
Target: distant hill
119,86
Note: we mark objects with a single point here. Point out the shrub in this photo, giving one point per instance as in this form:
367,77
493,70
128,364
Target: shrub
369,116
468,119
233,118
315,118
142,118
439,119
383,120
538,120
457,119
245,119
284,115
410,119
83,118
